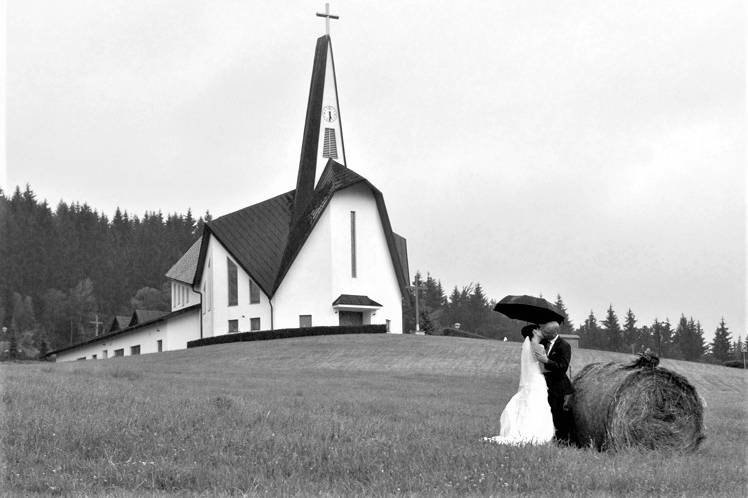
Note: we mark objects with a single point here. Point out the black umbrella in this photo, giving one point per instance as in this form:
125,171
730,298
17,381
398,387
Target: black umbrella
530,309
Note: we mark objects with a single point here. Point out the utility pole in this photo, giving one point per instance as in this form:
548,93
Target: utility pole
417,290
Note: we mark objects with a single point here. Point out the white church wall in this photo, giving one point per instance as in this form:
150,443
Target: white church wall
174,333
307,287
322,270
217,311
375,273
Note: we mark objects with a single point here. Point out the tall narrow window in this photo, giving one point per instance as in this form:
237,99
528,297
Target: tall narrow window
105,354
330,146
233,283
159,345
353,244
254,292
210,287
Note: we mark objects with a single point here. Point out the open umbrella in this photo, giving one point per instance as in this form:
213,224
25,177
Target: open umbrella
530,309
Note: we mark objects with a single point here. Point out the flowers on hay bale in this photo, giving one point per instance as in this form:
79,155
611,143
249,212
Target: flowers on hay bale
636,405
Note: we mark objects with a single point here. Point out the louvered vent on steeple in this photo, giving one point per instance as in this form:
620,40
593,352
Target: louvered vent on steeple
330,146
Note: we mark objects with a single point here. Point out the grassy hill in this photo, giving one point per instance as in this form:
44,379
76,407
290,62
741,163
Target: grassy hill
339,415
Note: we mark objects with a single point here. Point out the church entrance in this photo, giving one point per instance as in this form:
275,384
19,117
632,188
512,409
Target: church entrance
350,318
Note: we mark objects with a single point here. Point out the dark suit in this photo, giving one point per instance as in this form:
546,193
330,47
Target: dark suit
559,385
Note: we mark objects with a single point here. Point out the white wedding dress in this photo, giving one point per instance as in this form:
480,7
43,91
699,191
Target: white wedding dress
527,418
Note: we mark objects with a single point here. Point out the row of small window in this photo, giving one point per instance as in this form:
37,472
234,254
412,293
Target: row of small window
134,351
254,324
254,289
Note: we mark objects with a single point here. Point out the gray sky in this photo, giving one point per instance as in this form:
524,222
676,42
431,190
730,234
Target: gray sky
593,149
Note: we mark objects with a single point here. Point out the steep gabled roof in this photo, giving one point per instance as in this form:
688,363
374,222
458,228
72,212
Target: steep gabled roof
261,239
119,322
336,177
255,237
184,269
143,316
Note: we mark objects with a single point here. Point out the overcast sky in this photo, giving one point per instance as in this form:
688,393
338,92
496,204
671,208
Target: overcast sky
594,149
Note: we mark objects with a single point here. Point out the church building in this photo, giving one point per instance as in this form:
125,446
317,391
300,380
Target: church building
323,254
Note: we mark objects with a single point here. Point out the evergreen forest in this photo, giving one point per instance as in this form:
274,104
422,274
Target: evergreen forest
66,272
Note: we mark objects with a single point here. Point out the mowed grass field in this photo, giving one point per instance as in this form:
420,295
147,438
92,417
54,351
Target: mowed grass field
336,416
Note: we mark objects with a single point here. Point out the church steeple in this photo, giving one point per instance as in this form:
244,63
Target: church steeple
323,131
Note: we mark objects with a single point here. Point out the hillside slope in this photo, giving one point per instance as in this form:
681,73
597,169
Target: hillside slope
399,354
373,415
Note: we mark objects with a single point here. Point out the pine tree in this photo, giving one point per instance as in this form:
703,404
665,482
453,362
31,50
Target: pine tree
589,332
720,346
666,338
567,327
612,335
631,334
737,349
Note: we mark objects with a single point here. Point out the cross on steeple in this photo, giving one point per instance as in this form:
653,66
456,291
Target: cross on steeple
327,17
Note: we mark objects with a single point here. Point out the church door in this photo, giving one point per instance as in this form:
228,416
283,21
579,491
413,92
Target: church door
351,318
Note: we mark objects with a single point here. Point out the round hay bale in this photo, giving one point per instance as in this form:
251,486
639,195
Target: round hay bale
639,405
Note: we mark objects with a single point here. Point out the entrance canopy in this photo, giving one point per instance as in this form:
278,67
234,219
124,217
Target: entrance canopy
352,302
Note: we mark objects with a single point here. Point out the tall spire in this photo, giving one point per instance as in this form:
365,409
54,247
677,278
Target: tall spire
323,130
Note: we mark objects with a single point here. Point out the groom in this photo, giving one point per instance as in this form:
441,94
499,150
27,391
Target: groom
556,361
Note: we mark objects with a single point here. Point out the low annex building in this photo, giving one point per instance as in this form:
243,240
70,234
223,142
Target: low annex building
322,254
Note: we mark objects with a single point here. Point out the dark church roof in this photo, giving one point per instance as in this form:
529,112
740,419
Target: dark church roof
260,237
184,269
143,316
119,322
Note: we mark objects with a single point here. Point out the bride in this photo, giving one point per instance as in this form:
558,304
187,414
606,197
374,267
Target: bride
527,419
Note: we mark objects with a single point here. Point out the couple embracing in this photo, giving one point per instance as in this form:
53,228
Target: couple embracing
540,411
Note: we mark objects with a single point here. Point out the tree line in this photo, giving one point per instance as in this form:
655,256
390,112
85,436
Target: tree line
66,272
473,311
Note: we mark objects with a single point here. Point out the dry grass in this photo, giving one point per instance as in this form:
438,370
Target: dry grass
340,416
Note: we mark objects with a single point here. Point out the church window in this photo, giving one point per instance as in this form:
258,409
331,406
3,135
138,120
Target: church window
330,146
305,321
159,345
233,326
254,324
135,350
353,244
210,287
254,292
387,323
233,283
119,352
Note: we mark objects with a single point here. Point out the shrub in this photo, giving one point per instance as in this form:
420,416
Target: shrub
733,363
266,335
461,333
